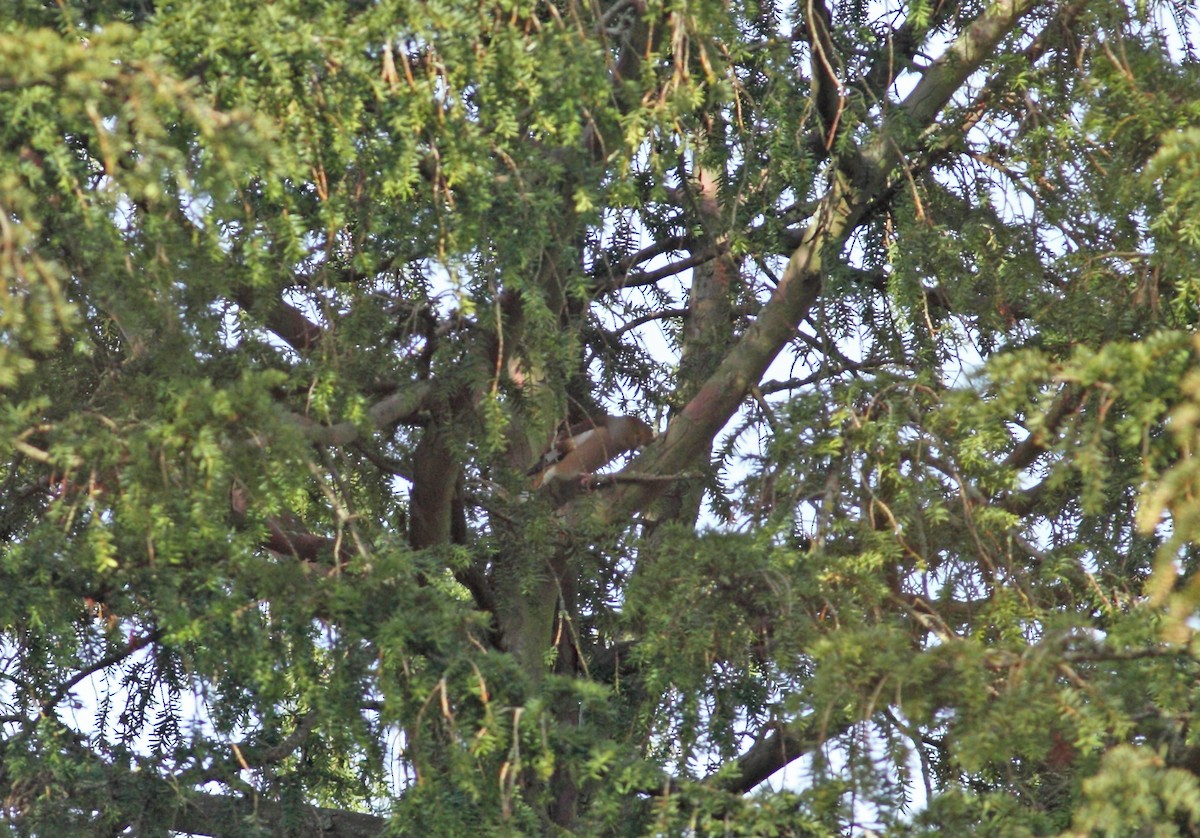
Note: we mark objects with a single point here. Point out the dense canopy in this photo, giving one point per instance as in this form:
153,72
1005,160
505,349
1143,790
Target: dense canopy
294,295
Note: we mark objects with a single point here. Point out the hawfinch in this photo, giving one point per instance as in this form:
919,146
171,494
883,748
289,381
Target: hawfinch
586,446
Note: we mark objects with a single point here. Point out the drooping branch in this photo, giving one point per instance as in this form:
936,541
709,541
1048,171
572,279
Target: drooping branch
770,387
642,320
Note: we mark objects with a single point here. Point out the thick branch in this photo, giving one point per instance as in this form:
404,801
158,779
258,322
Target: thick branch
689,435
707,329
284,319
304,545
286,534
941,81
779,748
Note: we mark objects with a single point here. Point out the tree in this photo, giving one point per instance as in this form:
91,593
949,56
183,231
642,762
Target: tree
295,293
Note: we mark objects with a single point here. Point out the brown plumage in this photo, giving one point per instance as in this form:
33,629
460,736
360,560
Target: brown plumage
586,446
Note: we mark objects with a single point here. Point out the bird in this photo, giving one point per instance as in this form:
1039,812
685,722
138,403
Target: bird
588,445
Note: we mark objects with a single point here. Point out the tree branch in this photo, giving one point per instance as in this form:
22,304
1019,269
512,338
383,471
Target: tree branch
153,804
1037,443
662,314
899,49
111,659
282,318
401,406
669,244
226,816
826,89
769,387
596,481
782,746
639,279
844,206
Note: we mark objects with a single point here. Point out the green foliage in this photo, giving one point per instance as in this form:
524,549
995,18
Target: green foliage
1134,792
292,295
